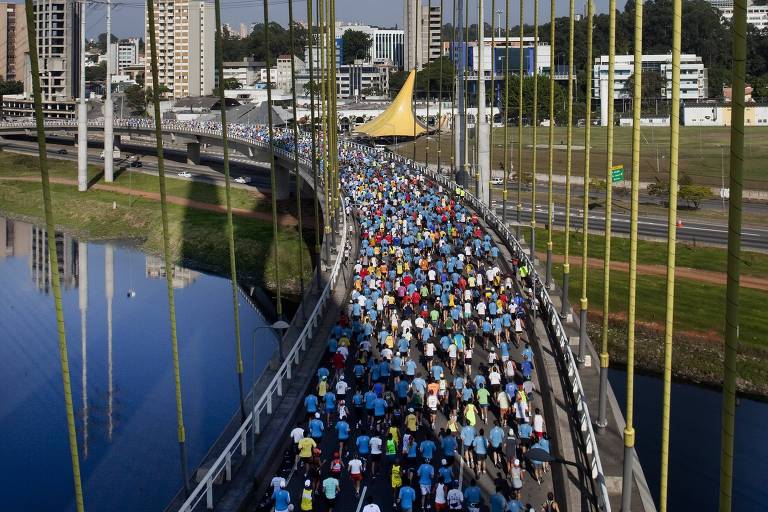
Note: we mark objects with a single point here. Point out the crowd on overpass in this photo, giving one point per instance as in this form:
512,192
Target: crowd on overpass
427,395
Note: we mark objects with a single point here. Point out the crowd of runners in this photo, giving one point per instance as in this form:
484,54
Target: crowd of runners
426,397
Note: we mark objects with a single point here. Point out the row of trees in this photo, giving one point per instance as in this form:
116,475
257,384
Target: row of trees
236,48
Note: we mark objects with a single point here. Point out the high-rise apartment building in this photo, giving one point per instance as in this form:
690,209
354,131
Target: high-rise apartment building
422,33
58,48
127,53
13,43
185,47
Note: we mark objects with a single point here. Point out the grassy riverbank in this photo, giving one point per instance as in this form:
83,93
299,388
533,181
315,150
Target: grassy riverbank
699,326
198,237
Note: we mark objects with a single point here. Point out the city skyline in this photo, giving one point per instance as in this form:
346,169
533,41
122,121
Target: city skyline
371,12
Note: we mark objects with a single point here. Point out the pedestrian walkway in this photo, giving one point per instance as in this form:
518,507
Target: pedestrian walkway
427,395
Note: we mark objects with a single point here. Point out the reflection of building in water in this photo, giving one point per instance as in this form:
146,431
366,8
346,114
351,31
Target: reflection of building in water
182,277
23,239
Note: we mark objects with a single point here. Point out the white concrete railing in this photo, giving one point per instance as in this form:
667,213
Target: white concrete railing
577,391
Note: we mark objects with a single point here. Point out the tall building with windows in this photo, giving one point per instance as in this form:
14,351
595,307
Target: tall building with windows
14,44
127,53
185,47
422,33
57,24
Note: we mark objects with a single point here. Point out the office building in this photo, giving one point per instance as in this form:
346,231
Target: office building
282,79
361,79
757,15
127,53
422,33
246,71
58,48
185,47
14,44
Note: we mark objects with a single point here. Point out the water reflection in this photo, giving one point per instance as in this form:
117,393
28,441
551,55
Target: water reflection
119,347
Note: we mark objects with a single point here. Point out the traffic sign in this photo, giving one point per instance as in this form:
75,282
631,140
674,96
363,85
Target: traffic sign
617,173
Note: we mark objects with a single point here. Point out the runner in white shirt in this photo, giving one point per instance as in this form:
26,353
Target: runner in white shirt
375,446
356,468
341,388
441,498
297,434
371,506
452,349
455,499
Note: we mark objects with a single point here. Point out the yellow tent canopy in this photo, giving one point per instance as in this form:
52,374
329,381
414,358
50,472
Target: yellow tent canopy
398,120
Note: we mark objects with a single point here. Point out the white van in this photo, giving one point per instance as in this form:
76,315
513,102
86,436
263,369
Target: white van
115,154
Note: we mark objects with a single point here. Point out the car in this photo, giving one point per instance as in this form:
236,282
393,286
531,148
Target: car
497,181
137,163
242,179
62,151
185,174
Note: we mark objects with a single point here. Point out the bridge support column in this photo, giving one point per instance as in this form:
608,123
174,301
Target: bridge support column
282,181
193,153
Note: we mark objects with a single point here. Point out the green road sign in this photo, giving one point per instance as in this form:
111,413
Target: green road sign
617,173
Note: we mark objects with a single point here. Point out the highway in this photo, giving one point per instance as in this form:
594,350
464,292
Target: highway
654,228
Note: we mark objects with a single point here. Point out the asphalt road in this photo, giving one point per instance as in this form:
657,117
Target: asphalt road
753,238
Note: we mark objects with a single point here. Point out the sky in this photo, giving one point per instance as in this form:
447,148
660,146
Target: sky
128,15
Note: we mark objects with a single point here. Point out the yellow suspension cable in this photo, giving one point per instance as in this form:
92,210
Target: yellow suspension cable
629,430
602,417
534,127
228,195
166,242
300,226
674,138
440,92
568,165
50,227
273,171
505,193
519,173
428,72
493,101
739,51
453,93
583,302
550,203
313,135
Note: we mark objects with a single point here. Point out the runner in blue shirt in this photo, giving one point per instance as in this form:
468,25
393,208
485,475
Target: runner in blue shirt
405,498
468,434
427,449
472,495
282,498
316,428
310,403
426,473
496,436
342,430
362,445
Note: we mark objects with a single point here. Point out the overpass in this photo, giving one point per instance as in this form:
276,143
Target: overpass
240,464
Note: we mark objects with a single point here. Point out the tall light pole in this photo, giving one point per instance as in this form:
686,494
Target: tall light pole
108,110
82,126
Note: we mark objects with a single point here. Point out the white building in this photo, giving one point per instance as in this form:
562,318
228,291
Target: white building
386,45
693,78
757,15
358,79
282,79
185,44
494,50
246,72
719,114
127,53
422,29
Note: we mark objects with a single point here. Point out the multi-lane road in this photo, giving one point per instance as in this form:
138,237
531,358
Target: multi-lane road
705,232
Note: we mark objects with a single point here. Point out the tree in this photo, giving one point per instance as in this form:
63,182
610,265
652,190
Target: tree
232,83
136,99
96,73
659,189
652,83
101,41
312,87
355,45
693,195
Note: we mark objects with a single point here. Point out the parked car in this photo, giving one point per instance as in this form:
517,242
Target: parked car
185,174
497,181
136,163
242,179
62,151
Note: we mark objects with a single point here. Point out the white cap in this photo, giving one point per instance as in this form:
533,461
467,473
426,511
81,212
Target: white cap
317,415
307,483
282,484
517,462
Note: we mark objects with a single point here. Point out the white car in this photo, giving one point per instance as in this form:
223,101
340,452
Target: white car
497,181
185,174
242,179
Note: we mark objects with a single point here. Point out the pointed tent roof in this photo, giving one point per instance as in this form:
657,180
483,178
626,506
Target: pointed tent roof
398,120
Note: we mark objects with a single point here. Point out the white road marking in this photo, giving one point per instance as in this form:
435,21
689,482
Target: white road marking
362,497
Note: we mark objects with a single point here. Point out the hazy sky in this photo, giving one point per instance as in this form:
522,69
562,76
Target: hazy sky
128,15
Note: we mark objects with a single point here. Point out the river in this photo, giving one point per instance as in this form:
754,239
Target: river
122,378
694,458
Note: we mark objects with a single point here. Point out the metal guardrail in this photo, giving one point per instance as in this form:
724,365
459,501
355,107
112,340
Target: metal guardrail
577,391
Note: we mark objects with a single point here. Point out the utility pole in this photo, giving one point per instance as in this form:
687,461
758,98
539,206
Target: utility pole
82,123
108,110
482,128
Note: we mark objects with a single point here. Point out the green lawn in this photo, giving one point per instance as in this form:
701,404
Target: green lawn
652,253
196,236
704,152
699,307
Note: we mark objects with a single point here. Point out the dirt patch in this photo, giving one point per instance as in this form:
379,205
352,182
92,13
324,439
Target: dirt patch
693,274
